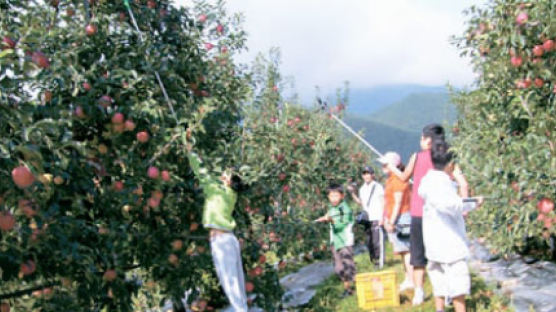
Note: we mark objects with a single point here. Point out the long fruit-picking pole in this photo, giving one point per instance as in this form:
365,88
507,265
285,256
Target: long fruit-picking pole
379,154
356,135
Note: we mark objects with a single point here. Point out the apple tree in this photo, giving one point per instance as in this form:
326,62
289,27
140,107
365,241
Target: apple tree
505,137
96,185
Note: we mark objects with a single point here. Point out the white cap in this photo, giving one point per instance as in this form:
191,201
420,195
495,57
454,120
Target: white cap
392,158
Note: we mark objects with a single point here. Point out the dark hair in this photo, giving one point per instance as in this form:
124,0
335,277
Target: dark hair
440,154
237,185
401,167
335,187
434,131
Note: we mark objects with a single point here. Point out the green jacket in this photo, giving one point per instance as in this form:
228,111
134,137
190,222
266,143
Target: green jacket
341,230
220,200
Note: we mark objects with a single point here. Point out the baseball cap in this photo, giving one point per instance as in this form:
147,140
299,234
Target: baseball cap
392,158
368,169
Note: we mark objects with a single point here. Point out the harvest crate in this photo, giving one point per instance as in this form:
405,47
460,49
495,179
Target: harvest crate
377,290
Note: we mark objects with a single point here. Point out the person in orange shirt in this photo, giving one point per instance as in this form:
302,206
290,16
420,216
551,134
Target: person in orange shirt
397,218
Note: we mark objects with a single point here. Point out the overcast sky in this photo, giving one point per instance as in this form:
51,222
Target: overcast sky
367,42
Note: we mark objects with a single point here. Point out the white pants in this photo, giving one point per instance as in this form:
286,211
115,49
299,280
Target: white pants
226,256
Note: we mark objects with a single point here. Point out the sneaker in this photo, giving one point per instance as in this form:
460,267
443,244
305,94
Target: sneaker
347,293
418,296
407,284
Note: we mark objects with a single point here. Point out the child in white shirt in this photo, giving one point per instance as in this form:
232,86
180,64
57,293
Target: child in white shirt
444,231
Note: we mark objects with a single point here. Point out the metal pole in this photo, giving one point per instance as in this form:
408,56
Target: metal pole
372,148
356,135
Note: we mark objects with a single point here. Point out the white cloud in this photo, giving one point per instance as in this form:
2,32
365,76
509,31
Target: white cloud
368,42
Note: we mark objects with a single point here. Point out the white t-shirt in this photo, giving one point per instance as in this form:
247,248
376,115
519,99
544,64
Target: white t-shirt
443,224
375,206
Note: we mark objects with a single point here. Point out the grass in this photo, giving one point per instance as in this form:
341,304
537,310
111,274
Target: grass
328,296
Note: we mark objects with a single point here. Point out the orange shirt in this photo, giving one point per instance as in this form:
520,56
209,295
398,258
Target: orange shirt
394,185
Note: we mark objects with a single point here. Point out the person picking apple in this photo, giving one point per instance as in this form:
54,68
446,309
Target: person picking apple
444,234
220,200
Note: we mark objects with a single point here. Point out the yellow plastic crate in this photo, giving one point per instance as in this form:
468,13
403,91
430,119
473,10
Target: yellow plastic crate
377,290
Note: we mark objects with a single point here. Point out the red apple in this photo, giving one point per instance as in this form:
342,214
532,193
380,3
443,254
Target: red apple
173,259
224,49
249,287
538,50
8,43
7,221
118,186
209,46
273,119
262,259
153,172
118,118
28,267
143,136
275,88
282,176
153,202
4,307
193,227
539,82
202,18
105,101
516,61
151,4
79,112
286,188
521,18
220,28
545,205
22,177
91,29
129,125
548,45
40,59
47,96
177,244
165,175
109,275
86,86
26,206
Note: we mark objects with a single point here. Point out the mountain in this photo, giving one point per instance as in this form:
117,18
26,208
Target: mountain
396,126
385,137
370,100
417,110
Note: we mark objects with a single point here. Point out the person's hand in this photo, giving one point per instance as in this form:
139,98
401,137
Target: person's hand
389,227
324,219
350,188
480,200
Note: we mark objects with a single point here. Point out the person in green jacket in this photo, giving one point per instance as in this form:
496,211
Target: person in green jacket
220,200
340,218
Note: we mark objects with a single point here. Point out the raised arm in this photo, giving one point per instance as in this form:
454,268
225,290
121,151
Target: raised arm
408,172
200,171
462,182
